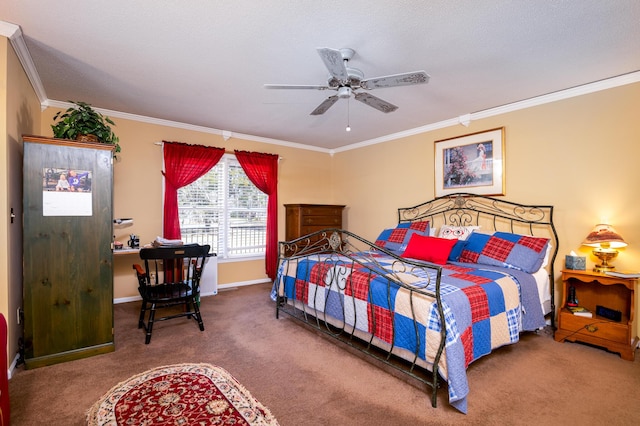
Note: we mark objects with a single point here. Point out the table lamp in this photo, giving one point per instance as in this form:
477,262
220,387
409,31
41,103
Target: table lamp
605,241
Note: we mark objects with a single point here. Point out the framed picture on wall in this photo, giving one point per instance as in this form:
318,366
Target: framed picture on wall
471,163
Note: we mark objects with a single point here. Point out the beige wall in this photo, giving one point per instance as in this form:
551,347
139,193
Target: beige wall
556,154
579,155
4,185
20,112
138,189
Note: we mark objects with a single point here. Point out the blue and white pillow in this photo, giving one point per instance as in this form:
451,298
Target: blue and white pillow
396,239
504,249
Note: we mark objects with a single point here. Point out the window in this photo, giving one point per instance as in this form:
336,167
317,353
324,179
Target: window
225,210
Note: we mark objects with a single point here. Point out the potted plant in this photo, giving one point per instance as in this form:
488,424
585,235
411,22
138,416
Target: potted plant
81,122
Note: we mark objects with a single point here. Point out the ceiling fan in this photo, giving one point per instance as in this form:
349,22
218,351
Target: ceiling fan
346,81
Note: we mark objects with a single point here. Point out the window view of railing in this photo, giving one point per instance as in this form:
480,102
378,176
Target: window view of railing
225,210
244,238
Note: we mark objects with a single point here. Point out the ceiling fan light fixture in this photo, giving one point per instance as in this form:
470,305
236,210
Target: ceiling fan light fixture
333,82
344,92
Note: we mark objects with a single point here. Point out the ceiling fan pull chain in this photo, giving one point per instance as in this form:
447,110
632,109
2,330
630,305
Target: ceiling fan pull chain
348,129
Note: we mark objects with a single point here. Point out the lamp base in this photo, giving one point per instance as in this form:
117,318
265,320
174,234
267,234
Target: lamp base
603,268
605,255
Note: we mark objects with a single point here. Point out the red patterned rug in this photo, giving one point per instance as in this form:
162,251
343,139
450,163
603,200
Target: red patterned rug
182,394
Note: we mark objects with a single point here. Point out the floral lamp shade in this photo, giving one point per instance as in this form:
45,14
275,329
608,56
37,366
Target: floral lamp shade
603,234
605,240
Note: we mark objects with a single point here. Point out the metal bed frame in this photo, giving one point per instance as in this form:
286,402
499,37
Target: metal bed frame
337,245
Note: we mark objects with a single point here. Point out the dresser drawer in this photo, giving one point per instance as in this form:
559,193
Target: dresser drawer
309,229
321,211
594,327
330,221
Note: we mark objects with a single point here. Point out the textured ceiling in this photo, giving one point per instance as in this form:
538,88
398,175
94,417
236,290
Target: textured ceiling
204,63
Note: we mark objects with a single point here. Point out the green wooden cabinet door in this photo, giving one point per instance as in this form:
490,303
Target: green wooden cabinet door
68,275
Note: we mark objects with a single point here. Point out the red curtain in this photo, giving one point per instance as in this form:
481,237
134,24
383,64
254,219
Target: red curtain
183,164
262,171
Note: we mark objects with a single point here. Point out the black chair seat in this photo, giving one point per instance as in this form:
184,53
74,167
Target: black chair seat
170,277
166,292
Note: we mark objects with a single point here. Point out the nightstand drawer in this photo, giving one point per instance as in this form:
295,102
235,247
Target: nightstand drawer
595,327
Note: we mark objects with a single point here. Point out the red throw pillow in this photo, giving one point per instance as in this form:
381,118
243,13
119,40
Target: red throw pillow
432,249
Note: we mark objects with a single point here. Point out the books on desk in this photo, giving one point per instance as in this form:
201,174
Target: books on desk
623,274
163,242
580,311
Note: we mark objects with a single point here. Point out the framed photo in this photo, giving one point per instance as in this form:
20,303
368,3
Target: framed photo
471,163
66,192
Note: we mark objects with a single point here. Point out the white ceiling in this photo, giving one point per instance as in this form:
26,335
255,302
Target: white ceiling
204,63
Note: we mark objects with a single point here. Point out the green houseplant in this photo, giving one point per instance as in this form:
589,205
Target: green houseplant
82,122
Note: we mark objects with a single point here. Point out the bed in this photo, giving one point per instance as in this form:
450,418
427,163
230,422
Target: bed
456,277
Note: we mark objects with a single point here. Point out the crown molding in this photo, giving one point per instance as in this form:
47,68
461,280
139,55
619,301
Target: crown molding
179,125
14,34
597,86
8,29
609,83
585,89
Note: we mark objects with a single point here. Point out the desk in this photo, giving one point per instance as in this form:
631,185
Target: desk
125,287
126,251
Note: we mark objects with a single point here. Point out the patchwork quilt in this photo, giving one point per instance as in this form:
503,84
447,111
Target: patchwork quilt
484,307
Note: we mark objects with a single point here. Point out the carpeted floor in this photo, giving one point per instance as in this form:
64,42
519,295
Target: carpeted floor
306,379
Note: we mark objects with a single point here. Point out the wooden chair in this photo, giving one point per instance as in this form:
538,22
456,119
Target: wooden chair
170,278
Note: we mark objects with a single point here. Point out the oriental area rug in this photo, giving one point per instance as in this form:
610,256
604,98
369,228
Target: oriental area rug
181,394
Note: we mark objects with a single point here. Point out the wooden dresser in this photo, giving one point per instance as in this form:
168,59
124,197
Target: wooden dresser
303,219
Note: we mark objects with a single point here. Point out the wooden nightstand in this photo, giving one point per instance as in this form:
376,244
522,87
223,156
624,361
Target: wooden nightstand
593,288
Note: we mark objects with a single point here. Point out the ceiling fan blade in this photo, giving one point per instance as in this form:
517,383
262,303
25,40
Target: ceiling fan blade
375,102
296,86
324,106
334,62
404,79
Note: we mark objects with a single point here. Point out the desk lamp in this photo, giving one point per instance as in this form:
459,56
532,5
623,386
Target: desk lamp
605,241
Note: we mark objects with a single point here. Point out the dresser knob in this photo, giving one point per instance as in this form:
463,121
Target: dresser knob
591,328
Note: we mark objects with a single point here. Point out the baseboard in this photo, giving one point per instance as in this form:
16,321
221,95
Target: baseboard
126,299
242,284
13,366
220,287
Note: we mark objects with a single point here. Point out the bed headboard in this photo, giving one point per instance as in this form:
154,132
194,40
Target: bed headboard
491,214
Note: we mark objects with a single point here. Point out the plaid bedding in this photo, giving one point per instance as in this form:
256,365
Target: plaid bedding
485,307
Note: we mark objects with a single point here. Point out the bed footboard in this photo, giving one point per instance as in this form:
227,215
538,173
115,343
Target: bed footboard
367,297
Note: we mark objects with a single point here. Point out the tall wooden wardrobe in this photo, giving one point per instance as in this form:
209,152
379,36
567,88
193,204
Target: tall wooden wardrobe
67,253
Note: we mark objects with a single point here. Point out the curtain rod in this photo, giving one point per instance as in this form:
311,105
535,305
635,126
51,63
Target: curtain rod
280,158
